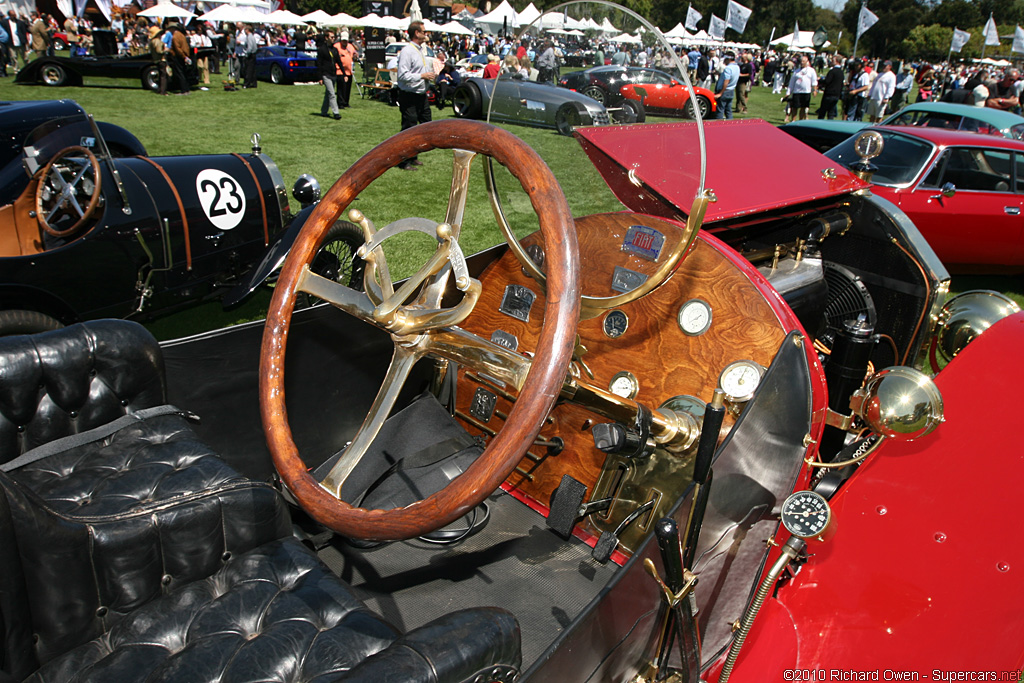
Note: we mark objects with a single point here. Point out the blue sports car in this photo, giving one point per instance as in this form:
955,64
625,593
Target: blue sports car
285,65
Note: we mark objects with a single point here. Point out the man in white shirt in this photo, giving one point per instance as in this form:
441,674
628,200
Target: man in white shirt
881,92
413,75
802,84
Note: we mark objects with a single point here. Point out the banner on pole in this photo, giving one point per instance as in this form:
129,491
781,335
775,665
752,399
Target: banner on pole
736,16
717,27
991,34
960,39
692,17
865,20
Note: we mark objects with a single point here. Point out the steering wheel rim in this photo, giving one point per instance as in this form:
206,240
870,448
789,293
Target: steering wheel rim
543,382
67,189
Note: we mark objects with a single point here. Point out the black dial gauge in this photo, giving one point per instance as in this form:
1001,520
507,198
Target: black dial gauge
615,324
806,514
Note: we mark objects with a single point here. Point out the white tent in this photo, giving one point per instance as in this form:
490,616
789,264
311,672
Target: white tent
162,10
607,27
575,32
455,27
679,31
342,19
804,39
503,16
317,17
259,4
527,15
233,13
283,16
626,38
372,21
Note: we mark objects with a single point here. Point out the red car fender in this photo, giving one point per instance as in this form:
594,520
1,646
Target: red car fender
922,580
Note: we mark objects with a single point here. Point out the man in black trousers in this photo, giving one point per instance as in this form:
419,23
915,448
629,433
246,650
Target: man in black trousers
831,89
413,75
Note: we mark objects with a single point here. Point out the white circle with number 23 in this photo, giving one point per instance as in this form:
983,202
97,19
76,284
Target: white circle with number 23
222,198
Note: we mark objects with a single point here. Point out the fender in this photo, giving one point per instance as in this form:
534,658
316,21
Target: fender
922,539
120,141
271,262
38,300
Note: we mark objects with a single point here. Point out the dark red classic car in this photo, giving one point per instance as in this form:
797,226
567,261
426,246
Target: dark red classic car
619,448
964,191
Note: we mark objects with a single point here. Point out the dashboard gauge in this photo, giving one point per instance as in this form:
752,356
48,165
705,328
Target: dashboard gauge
615,324
740,379
624,384
806,514
694,317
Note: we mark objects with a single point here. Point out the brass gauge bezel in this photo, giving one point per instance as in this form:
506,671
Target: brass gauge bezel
732,367
634,384
691,304
822,532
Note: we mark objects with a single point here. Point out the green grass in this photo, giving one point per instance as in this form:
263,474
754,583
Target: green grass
300,141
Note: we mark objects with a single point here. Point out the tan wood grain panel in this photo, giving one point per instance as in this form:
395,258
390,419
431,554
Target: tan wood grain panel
666,362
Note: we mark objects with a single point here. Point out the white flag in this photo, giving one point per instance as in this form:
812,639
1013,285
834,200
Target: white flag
796,34
692,17
960,39
1018,40
736,16
866,20
991,34
717,27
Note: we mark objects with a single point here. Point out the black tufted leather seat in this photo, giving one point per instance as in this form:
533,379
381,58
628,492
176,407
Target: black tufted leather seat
142,556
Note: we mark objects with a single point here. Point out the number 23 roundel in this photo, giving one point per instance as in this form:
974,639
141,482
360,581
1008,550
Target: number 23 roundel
222,198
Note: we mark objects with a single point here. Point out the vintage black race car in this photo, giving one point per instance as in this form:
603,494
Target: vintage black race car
86,234
21,118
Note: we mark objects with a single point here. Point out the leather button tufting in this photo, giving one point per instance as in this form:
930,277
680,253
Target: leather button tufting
124,401
84,502
226,556
101,612
166,579
21,428
73,414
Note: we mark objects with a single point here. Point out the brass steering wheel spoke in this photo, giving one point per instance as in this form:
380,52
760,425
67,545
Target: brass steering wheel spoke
402,363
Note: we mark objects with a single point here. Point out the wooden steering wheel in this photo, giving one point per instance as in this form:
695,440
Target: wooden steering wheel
422,328
64,179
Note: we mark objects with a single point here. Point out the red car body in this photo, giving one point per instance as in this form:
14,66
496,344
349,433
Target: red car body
917,583
977,228
671,98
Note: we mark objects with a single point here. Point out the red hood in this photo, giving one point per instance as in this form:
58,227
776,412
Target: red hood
752,167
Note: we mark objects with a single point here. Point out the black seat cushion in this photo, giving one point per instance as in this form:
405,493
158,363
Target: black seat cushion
74,379
277,614
157,459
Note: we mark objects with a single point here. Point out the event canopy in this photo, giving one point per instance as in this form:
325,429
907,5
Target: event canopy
162,10
317,17
233,13
679,31
528,15
342,19
502,16
607,27
805,39
626,38
283,16
455,27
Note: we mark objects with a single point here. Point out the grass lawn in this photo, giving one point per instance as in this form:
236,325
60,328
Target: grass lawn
300,141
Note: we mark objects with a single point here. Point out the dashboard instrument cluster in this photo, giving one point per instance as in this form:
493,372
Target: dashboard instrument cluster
708,326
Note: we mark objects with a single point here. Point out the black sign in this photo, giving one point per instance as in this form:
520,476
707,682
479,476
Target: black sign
374,44
439,15
378,7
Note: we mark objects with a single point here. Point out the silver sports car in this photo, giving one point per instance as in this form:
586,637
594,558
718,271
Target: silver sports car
533,104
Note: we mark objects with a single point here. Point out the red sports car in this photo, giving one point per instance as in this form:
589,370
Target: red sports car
962,190
662,94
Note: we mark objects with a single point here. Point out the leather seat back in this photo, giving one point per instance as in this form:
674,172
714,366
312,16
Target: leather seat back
68,381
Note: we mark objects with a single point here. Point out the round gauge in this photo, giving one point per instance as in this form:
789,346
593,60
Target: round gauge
806,514
868,144
615,324
624,384
740,380
694,317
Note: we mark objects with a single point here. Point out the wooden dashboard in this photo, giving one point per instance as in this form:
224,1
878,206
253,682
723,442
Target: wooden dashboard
643,338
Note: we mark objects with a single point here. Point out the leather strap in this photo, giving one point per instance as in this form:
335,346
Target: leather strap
96,434
181,208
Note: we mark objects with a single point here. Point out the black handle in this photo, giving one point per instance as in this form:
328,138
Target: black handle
671,553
